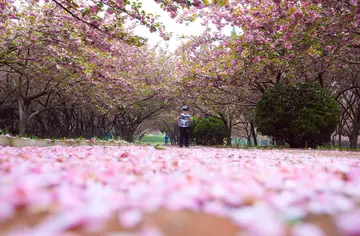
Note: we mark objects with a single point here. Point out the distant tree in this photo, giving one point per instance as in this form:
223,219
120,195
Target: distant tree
303,115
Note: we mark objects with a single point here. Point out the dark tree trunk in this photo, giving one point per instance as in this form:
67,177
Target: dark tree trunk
23,117
253,133
355,130
249,140
228,129
354,136
127,134
128,137
340,131
228,137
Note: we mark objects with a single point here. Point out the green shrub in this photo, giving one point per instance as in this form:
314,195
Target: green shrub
208,131
303,115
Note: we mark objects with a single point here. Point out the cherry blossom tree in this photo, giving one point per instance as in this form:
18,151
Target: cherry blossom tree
211,81
96,14
282,41
346,89
287,40
41,61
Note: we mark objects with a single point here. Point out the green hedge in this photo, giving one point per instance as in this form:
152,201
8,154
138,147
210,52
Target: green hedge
208,131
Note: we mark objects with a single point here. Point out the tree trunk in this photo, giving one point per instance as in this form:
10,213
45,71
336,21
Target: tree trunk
127,134
248,140
228,137
23,117
340,132
129,137
355,130
228,125
353,139
354,136
253,133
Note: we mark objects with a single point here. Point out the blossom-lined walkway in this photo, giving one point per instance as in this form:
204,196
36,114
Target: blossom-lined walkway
134,190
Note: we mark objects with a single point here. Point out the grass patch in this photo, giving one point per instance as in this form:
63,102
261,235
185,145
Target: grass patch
337,148
250,147
152,139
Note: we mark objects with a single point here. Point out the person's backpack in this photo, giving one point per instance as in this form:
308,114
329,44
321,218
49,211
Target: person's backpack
184,121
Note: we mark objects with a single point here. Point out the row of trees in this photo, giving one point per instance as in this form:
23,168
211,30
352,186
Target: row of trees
60,77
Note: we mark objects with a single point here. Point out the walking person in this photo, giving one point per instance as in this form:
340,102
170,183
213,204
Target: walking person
184,120
166,139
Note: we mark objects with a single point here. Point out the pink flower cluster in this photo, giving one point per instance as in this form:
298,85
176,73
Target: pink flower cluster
263,192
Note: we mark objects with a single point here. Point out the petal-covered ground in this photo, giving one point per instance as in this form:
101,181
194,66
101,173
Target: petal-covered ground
134,190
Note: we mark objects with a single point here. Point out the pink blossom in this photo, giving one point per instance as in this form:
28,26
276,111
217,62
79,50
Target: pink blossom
6,210
349,222
307,229
288,46
87,185
130,218
149,231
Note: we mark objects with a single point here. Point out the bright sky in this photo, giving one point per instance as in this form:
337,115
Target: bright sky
171,26
185,29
